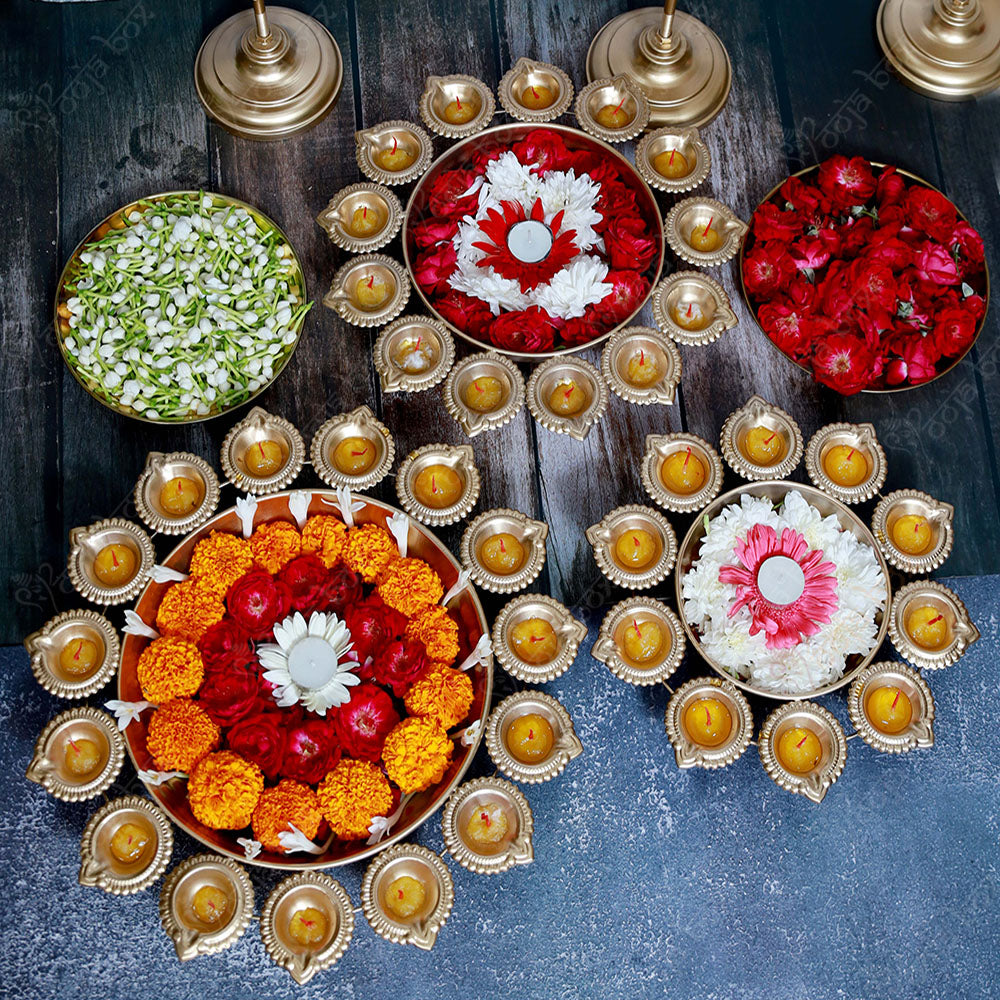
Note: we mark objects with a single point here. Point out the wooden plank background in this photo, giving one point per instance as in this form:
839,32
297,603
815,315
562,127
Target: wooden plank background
78,150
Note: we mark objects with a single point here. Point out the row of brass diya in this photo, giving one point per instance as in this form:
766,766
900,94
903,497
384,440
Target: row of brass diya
786,593
304,680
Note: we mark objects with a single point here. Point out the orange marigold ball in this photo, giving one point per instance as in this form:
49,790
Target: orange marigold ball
410,586
369,550
287,802
438,631
168,668
180,733
442,694
219,560
188,609
224,789
417,753
326,537
275,544
351,795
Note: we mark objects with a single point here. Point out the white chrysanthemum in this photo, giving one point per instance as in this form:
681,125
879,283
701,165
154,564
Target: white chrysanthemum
563,191
574,288
507,179
484,283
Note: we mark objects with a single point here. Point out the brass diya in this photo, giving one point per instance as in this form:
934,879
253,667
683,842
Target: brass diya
487,826
761,441
407,894
692,309
658,462
709,723
369,290
634,546
405,147
929,625
362,217
612,109
511,737
567,395
906,518
535,92
126,846
306,924
483,392
263,453
536,626
674,160
803,749
353,450
113,548
891,708
78,755
689,227
504,550
853,454
74,654
641,641
206,904
456,106
641,366
413,353
419,486
176,492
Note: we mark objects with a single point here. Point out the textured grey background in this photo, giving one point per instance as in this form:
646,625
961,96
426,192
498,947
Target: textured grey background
648,881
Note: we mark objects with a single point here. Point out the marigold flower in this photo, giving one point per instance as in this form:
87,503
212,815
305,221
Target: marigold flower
275,544
442,694
410,586
287,802
351,795
189,609
219,560
369,550
224,789
168,668
325,536
438,631
416,753
180,733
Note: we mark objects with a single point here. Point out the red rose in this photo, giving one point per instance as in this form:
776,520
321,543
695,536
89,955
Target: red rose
628,245
306,578
256,601
400,664
889,189
310,751
770,223
373,625
434,267
543,150
931,212
433,231
917,364
835,294
628,291
471,316
530,331
616,200
789,328
364,722
801,197
855,236
229,695
954,329
844,362
260,739
846,182
485,154
342,590
809,253
225,644
873,286
454,192
935,265
581,330
767,268
892,252
968,244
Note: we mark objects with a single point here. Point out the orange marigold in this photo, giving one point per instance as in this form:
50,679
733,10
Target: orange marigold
219,560
168,668
369,550
275,544
188,609
287,802
224,789
416,753
410,586
442,694
352,794
438,631
180,733
325,536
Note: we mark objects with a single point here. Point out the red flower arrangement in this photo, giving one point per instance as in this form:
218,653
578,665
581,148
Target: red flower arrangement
869,278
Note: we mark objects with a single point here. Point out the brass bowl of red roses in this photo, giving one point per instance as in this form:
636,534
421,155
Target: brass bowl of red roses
465,609
865,275
551,261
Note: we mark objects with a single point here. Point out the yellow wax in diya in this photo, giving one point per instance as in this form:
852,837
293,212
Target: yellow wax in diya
307,926
180,496
671,164
845,465
502,553
613,116
567,398
642,641
437,486
641,369
264,458
128,842
404,896
534,640
115,565
395,157
635,549
763,446
888,710
911,534
487,825
483,394
690,316
458,112
371,292
704,240
927,627
708,722
78,656
82,757
683,472
354,455
530,738
537,98
210,904
414,355
365,221
799,750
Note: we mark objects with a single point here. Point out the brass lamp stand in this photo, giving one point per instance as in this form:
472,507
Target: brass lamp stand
268,73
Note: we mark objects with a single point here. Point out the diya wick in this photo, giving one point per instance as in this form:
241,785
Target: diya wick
530,737
709,723
640,641
803,749
487,826
891,708
263,453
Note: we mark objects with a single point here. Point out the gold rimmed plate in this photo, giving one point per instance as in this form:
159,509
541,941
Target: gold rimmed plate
640,641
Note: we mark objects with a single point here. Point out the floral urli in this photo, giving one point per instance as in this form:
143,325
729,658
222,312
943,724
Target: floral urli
869,278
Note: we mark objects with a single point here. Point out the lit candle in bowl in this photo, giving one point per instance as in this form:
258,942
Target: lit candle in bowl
483,392
634,546
567,395
703,231
846,461
913,530
438,484
691,308
362,217
532,91
536,638
530,737
761,441
709,723
369,290
353,450
673,159
803,748
891,708
74,654
109,561
504,550
487,826
681,472
641,365
614,110
413,353
929,625
456,106
393,152
263,453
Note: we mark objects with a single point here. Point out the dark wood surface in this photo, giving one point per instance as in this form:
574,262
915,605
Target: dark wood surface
72,157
